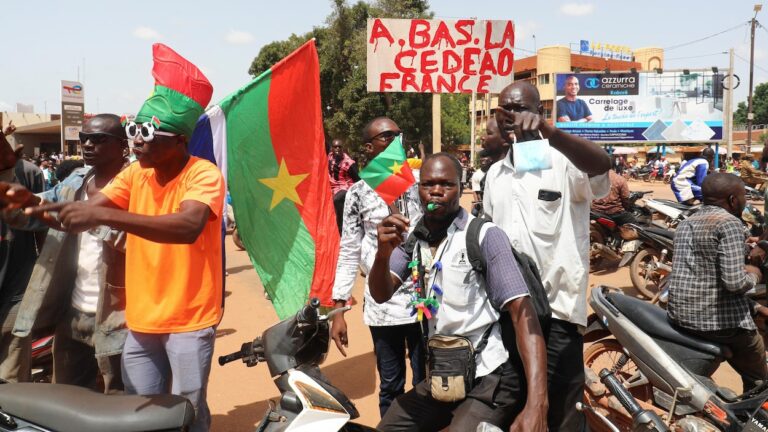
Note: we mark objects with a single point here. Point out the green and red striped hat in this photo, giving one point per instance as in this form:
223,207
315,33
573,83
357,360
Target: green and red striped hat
180,96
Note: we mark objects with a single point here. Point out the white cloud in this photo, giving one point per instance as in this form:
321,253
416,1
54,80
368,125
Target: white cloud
524,30
5,106
237,37
146,33
577,9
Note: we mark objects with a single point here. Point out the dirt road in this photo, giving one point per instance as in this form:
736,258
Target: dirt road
238,395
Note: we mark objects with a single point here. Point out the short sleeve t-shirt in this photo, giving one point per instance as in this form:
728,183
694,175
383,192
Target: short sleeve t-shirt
172,288
575,110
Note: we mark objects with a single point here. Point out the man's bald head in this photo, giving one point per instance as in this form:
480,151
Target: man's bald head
724,190
521,94
109,123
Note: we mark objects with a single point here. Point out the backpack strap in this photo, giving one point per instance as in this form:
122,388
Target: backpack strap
474,252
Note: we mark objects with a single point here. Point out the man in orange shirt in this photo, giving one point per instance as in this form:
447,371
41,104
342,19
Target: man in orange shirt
170,204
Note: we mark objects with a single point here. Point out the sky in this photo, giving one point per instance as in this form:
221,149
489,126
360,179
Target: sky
107,44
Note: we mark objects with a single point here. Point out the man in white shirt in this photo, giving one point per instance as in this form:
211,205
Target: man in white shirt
392,326
545,214
467,307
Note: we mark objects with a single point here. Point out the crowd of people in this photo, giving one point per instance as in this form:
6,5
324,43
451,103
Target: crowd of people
69,237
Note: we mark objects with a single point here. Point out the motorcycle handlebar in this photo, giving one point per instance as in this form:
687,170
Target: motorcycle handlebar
623,395
230,357
308,314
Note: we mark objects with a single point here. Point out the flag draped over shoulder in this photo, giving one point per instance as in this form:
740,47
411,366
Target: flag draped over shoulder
268,140
389,174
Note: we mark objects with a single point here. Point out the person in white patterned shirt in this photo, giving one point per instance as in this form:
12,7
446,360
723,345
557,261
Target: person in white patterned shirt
393,328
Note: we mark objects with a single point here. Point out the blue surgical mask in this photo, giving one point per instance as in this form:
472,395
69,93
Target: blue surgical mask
533,155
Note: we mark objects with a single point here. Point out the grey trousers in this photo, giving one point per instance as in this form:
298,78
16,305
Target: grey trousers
15,352
153,362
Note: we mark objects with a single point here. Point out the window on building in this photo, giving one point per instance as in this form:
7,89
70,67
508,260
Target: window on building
544,79
547,113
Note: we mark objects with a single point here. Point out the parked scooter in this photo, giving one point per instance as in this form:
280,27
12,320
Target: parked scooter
667,372
293,349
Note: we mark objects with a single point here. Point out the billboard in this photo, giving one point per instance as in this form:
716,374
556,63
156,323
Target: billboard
72,109
439,56
673,106
604,50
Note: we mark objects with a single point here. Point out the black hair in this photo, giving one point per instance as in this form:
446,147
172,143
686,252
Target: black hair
66,167
114,120
718,186
365,132
456,165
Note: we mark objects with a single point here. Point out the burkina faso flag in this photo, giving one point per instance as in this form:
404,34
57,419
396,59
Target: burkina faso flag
268,140
389,173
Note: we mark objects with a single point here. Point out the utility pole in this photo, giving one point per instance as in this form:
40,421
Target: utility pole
473,129
729,105
750,114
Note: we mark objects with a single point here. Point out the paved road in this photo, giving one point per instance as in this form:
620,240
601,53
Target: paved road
238,395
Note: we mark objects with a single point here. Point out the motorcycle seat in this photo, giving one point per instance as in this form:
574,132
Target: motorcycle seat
662,232
71,408
653,320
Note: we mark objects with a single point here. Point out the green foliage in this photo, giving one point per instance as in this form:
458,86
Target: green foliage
347,105
455,120
759,107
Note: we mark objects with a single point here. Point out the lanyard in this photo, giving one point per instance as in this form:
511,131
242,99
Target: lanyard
424,299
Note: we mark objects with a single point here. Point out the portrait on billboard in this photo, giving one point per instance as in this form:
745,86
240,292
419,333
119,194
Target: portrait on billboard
674,106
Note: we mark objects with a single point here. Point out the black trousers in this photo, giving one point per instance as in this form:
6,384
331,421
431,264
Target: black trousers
389,345
565,372
497,398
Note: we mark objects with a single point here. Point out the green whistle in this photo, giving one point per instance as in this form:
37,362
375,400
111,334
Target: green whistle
431,207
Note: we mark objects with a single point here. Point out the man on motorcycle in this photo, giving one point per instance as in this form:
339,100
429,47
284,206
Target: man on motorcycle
465,308
686,184
709,278
616,204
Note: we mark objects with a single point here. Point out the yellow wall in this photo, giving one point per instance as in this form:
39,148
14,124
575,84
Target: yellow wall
649,58
551,60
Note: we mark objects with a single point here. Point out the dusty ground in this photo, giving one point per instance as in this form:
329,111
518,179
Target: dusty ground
238,395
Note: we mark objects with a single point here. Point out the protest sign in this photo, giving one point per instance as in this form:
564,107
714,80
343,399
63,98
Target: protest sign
439,56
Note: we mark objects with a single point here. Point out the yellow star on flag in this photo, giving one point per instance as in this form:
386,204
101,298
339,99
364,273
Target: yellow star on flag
284,185
396,168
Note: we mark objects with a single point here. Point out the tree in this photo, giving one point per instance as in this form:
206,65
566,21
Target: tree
347,104
759,107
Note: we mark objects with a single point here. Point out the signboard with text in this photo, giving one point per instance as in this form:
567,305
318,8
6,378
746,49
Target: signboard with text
604,50
439,56
72,109
641,107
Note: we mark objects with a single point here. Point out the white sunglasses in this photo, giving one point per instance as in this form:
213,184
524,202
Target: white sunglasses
146,130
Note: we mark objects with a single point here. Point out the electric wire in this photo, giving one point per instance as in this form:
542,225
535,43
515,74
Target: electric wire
706,37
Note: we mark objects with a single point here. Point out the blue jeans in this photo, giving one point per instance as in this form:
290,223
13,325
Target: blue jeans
153,361
389,345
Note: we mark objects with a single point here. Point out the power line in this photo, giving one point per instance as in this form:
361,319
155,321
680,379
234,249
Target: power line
706,37
747,62
697,56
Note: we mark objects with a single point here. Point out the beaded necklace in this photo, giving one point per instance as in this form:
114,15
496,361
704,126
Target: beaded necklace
424,300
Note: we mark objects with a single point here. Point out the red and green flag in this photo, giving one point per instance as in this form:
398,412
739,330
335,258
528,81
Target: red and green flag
389,173
268,140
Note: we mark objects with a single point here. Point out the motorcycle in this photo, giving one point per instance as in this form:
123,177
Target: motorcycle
649,256
293,350
673,211
42,359
41,407
666,371
754,194
606,238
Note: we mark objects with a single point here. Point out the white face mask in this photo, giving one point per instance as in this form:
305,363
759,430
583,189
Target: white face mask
533,155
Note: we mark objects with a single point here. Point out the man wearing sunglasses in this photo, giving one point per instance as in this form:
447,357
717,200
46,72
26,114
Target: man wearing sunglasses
393,329
78,283
170,204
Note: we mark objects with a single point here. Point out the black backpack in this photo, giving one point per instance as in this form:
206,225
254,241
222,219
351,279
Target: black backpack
530,274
